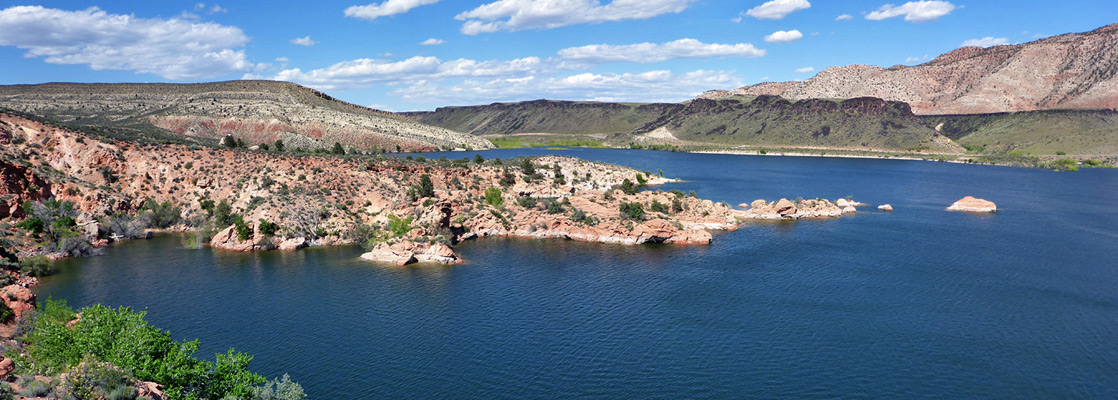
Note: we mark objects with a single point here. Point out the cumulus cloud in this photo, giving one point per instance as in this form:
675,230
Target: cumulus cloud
432,42
844,17
304,41
651,86
986,42
518,15
913,11
172,48
387,8
805,70
784,36
365,72
653,52
777,9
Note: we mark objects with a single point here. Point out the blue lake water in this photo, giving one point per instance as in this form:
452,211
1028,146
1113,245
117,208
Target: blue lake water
918,303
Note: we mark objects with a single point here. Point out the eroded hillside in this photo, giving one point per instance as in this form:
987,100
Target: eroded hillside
253,111
1075,70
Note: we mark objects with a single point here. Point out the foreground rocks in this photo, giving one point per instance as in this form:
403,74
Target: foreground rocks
975,205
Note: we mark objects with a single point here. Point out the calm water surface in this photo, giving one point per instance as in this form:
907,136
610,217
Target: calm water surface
918,303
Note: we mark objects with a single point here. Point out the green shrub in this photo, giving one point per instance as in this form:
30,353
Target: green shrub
36,266
244,231
641,180
6,314
279,145
279,389
507,178
632,211
426,188
493,197
36,389
268,228
527,167
659,207
338,149
628,187
478,159
399,227
526,201
160,215
554,207
124,339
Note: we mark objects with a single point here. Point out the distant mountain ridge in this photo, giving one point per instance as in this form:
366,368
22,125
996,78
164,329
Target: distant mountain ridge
254,111
1070,71
862,123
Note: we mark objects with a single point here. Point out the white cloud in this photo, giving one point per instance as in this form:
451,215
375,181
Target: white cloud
432,42
211,10
304,41
652,52
844,17
363,73
784,36
282,59
651,86
777,9
172,48
805,70
518,15
986,42
913,11
387,8
916,59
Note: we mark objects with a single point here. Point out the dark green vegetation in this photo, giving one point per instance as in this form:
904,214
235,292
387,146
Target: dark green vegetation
1051,132
862,123
102,352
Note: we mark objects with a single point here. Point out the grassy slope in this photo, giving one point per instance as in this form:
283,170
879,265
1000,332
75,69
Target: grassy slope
1075,132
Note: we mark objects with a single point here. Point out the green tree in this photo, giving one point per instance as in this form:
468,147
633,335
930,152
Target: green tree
338,149
278,145
478,159
426,188
527,167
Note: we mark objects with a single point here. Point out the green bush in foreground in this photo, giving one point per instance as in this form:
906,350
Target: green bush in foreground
122,338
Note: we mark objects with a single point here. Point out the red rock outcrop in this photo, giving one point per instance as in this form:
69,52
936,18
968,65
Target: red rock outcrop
18,185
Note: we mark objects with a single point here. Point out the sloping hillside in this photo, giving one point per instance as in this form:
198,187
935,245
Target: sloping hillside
861,123
253,111
1075,70
545,116
1073,132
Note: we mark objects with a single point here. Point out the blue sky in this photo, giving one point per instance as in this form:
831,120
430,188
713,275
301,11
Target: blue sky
404,55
